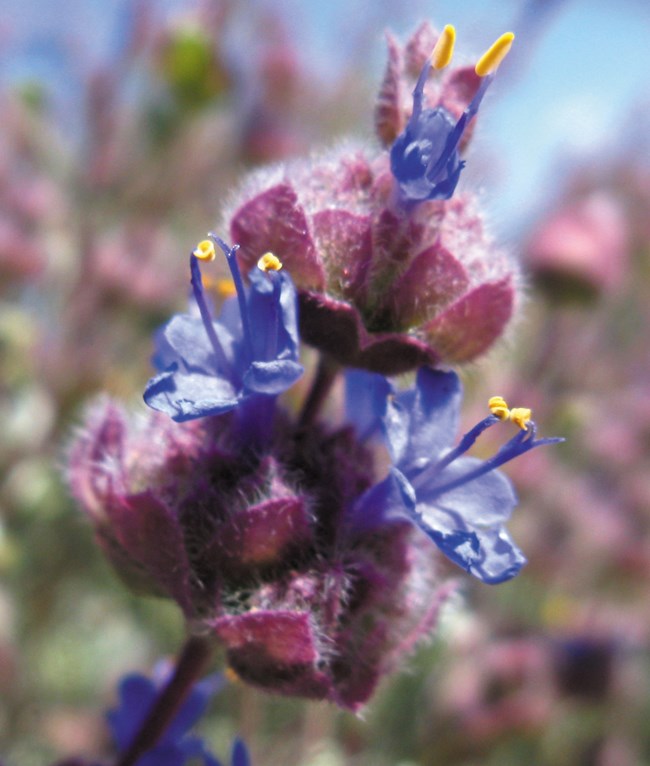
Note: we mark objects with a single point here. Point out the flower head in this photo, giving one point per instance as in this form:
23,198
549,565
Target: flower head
459,502
210,366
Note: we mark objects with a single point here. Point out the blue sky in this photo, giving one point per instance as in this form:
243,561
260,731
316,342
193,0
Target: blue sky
580,70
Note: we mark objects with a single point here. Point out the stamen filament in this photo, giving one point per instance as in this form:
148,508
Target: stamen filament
465,443
521,443
272,335
206,317
230,253
418,93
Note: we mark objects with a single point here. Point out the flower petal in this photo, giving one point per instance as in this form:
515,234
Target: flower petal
272,378
365,400
483,502
420,422
489,554
239,755
137,693
273,314
390,500
184,339
188,396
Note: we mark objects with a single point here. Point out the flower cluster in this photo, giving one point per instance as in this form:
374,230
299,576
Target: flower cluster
283,536
273,534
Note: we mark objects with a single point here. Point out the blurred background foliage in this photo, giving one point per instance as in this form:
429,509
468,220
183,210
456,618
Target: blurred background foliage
124,125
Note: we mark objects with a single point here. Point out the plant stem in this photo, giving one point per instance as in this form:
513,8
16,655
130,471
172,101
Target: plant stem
326,373
190,665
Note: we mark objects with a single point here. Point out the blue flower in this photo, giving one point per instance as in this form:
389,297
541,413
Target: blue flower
177,746
209,366
424,158
459,502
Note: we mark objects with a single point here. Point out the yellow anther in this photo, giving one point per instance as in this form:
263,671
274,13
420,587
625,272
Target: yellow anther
225,288
231,675
269,262
521,416
494,55
443,50
205,251
498,407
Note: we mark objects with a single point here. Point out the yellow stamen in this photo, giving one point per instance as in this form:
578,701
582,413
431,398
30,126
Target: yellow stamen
269,262
443,50
494,55
498,407
225,288
231,675
205,251
521,416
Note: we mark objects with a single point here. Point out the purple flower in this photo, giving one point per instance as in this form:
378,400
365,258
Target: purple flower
177,746
459,502
208,366
424,159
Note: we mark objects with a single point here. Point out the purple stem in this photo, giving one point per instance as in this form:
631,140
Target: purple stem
189,668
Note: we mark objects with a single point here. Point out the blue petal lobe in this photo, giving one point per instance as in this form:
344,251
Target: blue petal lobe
272,308
136,695
184,338
420,423
273,377
189,396
488,554
484,501
365,399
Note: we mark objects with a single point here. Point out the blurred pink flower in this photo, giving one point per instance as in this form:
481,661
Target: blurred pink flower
583,246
